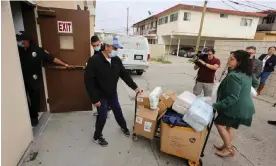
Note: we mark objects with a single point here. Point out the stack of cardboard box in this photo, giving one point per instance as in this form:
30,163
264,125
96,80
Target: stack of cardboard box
147,119
183,142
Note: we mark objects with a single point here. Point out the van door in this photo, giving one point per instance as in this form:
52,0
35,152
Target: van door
65,34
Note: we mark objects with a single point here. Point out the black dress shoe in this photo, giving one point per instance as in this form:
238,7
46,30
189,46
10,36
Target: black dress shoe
271,122
34,121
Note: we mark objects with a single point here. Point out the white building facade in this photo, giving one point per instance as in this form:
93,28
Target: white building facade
180,25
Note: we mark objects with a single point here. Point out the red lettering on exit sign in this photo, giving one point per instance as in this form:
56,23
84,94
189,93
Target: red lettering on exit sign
65,27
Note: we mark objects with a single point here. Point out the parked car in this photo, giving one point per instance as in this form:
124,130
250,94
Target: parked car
135,53
187,52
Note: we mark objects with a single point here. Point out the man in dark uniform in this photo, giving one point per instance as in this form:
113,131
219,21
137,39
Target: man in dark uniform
101,78
31,57
98,47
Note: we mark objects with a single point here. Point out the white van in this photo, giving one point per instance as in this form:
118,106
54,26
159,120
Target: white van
135,53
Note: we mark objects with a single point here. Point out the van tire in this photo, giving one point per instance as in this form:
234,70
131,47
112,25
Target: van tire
139,72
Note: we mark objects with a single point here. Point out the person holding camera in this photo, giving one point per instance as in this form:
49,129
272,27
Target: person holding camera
206,73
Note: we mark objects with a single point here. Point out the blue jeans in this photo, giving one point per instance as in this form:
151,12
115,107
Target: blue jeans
264,77
102,115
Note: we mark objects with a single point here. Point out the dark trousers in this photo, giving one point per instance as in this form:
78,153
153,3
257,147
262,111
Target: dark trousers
33,93
102,115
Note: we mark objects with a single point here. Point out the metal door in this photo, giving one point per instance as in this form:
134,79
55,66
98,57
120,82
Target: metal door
65,34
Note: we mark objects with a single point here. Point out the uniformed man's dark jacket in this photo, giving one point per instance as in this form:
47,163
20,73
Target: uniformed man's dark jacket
31,60
101,77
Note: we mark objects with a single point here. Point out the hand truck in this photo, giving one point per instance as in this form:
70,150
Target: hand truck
209,128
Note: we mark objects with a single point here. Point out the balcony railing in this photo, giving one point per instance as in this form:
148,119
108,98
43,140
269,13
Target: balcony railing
146,32
266,27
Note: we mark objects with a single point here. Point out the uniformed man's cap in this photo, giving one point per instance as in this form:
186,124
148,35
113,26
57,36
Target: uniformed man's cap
24,36
17,37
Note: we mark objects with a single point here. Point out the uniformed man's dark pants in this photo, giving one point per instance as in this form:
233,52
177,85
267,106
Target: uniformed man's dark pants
102,115
33,93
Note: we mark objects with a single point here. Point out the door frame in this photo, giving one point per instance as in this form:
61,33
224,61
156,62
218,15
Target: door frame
43,68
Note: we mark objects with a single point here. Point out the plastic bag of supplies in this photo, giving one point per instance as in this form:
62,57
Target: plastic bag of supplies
199,115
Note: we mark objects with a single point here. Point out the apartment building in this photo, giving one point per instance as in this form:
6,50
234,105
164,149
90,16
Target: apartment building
266,29
147,28
179,25
41,20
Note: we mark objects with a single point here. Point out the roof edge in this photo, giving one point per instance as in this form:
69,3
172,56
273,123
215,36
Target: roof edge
153,16
211,10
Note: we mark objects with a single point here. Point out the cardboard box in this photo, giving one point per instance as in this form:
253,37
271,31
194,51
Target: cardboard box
143,99
145,122
183,142
168,98
161,108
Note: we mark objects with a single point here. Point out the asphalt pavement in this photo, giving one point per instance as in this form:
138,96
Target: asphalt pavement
67,138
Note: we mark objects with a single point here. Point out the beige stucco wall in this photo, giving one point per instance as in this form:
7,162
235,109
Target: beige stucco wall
265,36
223,48
61,4
15,121
157,50
92,30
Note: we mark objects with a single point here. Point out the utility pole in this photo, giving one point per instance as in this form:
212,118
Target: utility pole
201,26
127,18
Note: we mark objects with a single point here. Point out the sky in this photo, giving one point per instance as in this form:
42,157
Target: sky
111,15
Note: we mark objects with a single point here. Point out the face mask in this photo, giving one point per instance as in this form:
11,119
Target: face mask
113,53
97,48
19,43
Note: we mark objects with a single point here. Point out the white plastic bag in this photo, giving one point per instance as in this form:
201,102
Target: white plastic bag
253,92
199,115
195,125
154,97
178,108
183,102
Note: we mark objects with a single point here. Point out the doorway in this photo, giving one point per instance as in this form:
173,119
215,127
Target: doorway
23,15
65,34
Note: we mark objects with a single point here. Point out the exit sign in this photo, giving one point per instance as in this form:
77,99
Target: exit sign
65,27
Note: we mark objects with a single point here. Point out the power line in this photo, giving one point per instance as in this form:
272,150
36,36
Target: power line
237,3
261,5
229,5
263,8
